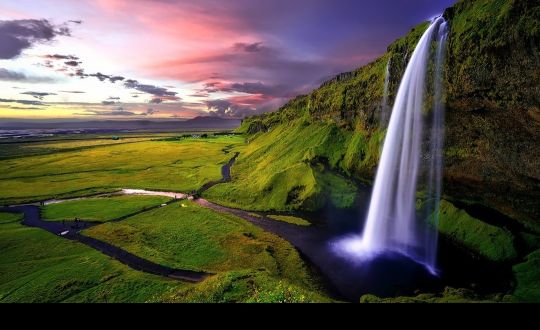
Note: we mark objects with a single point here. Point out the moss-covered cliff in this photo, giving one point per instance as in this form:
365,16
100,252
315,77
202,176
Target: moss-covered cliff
492,98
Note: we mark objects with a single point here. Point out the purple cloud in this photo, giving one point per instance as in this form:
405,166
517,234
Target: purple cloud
18,35
38,95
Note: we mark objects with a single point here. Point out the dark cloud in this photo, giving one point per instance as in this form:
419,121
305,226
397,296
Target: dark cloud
150,111
76,21
161,93
271,71
80,73
38,95
100,76
61,57
72,63
114,79
258,88
18,35
250,48
8,75
25,102
150,89
108,102
113,98
248,88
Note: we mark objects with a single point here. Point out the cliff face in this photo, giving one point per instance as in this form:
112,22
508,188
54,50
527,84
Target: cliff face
493,101
492,98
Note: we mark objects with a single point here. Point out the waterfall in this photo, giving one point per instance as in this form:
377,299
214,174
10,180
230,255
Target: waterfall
392,223
435,152
385,109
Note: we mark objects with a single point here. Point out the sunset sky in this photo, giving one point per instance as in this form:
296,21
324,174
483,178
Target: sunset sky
122,59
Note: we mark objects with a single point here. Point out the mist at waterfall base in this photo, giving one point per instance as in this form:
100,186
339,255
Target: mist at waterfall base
394,228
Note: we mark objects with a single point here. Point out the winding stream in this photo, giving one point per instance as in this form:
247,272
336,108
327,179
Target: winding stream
71,230
388,275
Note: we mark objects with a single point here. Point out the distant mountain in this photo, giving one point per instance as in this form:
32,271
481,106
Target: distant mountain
190,124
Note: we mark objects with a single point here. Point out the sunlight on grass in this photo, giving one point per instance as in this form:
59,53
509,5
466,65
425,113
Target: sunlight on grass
100,208
290,219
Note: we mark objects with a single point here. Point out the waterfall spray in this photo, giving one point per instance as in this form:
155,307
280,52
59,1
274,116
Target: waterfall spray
391,223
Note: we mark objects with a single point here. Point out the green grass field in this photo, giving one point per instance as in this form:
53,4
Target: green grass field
198,238
528,278
100,209
287,175
181,166
36,266
290,219
489,241
250,264
68,142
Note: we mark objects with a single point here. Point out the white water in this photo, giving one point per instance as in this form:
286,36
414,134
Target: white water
391,224
385,109
435,152
124,191
153,193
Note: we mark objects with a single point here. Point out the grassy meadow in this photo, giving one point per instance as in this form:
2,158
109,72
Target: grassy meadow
196,238
288,175
37,266
290,219
249,265
100,209
15,148
183,165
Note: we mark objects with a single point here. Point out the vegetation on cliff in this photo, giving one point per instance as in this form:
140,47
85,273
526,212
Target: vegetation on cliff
492,130
492,117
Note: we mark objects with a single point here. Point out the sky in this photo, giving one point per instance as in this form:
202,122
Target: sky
157,59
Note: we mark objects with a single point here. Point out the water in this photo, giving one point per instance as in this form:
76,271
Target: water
385,108
171,194
391,224
435,153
